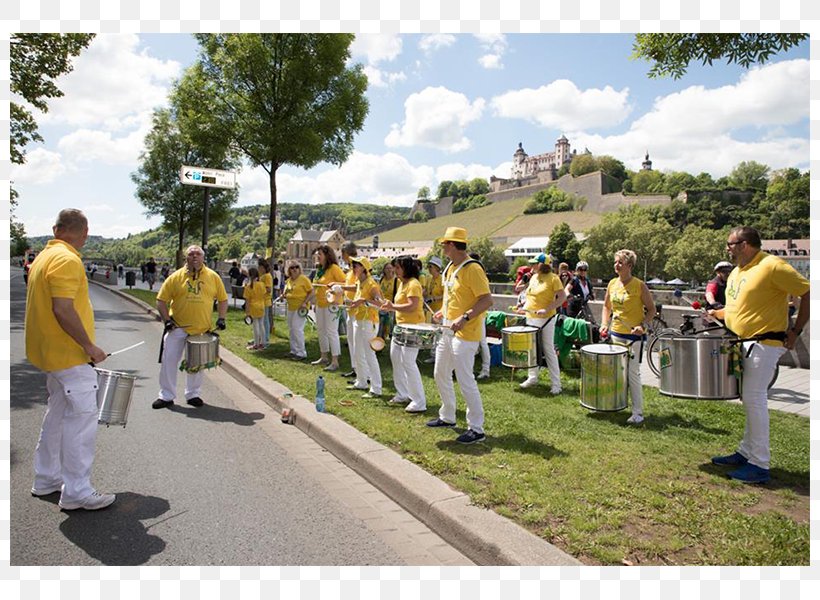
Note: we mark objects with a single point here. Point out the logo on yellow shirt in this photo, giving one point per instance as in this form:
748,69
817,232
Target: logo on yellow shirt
194,287
732,291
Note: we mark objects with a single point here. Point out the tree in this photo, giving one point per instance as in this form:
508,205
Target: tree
677,181
582,164
647,182
785,210
423,194
551,199
492,257
671,53
157,179
694,255
749,175
443,189
612,167
560,242
285,98
479,186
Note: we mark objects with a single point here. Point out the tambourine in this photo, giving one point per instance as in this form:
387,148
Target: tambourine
377,344
302,312
334,297
333,308
248,320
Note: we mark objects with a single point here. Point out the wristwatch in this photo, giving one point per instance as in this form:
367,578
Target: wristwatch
465,316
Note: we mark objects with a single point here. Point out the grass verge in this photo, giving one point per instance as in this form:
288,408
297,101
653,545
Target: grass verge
605,492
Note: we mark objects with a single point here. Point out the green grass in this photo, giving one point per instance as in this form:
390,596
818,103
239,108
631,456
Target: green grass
149,298
605,492
502,219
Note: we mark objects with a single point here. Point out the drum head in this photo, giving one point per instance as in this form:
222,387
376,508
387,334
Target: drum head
519,329
603,349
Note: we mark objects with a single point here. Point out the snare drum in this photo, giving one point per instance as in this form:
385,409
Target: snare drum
201,352
114,390
604,370
519,349
419,335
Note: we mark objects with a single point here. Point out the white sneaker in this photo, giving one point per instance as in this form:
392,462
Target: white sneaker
399,400
414,407
529,382
483,375
635,419
555,391
94,501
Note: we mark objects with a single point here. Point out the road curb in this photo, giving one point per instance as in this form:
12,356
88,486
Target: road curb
482,535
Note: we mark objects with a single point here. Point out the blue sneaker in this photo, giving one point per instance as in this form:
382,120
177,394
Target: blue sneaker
470,437
733,460
750,473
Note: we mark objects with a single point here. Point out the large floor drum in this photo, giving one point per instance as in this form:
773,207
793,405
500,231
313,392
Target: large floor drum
696,366
518,347
114,391
419,335
604,377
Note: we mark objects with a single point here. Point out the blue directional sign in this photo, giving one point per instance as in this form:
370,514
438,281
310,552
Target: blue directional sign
207,177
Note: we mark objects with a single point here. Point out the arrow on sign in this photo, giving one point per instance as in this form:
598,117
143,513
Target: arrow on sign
187,174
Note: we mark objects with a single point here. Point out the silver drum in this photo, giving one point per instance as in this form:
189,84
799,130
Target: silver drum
114,390
518,347
604,377
419,335
696,366
201,352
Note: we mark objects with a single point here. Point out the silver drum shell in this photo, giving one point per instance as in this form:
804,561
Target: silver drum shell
114,391
201,350
604,377
519,347
696,367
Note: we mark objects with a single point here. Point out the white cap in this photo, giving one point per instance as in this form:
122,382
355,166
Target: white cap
724,264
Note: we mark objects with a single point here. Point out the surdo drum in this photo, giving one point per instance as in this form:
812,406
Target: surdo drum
114,390
604,369
201,352
519,348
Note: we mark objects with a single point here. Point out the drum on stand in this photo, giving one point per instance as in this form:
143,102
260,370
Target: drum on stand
604,377
697,367
519,348
114,390
423,336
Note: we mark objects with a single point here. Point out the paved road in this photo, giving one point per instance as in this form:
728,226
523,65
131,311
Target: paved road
227,483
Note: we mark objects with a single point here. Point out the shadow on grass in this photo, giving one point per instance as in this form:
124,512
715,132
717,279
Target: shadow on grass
796,481
657,422
513,442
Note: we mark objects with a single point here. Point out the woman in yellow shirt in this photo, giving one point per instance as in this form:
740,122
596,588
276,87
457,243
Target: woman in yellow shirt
409,308
388,285
328,273
364,307
545,294
254,295
628,306
298,290
267,280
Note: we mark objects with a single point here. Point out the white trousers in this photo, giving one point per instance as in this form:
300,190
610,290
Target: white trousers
758,370
367,365
548,349
268,321
259,331
327,327
65,450
406,375
456,355
296,333
484,347
171,356
351,339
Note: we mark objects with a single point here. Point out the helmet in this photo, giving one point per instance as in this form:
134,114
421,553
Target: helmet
582,264
724,264
435,261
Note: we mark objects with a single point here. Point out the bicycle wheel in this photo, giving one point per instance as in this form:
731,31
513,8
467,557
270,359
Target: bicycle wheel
653,350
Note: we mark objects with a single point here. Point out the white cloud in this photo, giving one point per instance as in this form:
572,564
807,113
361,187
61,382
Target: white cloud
436,117
41,166
111,85
431,43
707,129
378,78
364,178
376,47
495,46
561,105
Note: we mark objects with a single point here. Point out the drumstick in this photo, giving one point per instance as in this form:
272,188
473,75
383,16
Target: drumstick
124,349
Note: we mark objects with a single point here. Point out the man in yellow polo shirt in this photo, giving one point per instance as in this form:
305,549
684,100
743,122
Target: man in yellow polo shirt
466,299
757,294
185,302
60,341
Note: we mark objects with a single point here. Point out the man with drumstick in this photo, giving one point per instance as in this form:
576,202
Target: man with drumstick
60,341
466,298
757,293
185,303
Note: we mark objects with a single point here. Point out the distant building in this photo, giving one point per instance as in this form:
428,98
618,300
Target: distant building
795,252
525,166
305,241
529,247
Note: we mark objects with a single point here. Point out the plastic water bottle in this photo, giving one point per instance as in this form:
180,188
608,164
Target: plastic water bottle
320,394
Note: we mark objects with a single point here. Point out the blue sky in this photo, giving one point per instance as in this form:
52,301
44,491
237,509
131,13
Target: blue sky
441,107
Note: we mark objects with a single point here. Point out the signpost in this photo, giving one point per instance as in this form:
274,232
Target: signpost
207,178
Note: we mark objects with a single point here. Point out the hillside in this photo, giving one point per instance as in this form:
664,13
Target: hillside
502,219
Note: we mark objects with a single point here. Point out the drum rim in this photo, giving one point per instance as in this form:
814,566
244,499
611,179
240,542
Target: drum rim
102,371
519,329
614,349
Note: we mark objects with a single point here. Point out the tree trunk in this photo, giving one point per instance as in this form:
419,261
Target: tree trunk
180,241
272,217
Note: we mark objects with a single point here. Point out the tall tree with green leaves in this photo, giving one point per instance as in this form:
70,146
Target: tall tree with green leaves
562,245
749,175
284,99
671,53
159,189
37,59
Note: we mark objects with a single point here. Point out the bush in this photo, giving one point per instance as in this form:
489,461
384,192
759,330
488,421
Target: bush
551,199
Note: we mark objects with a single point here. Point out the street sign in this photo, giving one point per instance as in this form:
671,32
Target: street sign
207,177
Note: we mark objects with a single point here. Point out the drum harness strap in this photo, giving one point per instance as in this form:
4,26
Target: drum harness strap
632,338
736,354
539,350
445,283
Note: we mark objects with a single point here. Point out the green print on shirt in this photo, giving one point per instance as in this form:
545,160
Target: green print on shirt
733,292
194,287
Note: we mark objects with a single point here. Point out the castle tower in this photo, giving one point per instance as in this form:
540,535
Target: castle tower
562,153
646,165
519,169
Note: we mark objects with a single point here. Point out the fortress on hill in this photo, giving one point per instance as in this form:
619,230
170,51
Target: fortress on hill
530,174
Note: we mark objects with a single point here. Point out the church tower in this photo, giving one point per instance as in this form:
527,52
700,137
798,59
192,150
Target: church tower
646,165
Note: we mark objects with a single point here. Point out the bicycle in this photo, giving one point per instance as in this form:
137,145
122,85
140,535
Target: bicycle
686,328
